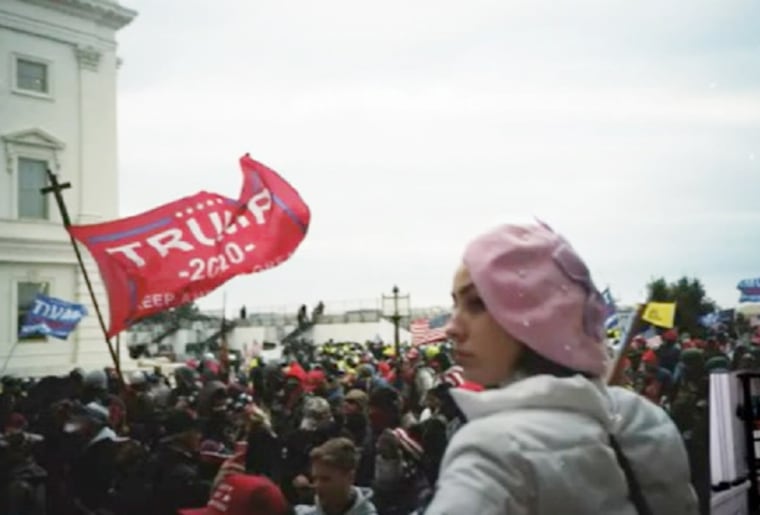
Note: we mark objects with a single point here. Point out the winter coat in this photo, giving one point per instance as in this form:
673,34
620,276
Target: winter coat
175,480
265,452
541,446
94,470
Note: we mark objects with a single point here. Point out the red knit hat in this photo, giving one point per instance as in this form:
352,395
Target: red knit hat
241,494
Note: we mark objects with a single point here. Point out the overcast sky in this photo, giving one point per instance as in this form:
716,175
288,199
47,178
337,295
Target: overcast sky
633,127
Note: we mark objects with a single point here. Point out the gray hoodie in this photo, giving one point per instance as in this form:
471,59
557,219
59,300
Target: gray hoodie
362,506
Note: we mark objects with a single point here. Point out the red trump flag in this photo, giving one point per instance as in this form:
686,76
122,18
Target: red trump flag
183,250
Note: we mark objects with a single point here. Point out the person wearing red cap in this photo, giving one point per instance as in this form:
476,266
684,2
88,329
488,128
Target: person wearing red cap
241,494
669,353
315,382
547,436
653,382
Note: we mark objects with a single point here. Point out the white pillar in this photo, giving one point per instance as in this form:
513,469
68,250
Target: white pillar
98,191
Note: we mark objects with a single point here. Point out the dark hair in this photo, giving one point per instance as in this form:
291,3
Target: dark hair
449,407
385,397
444,361
531,363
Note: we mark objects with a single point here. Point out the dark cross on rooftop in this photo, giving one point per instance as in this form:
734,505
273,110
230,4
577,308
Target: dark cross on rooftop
56,188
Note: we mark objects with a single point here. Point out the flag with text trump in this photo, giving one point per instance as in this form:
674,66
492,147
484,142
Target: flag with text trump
183,250
49,316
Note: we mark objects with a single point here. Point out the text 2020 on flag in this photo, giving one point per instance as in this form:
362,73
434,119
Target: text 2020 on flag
183,250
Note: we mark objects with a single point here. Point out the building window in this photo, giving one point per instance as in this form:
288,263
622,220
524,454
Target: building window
32,76
25,294
32,176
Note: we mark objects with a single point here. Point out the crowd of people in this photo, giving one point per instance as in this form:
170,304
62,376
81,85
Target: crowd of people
526,424
82,444
674,373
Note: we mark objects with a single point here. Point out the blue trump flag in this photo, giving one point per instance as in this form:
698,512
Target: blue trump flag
49,316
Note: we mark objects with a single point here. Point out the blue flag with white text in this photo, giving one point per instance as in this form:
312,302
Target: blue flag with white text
49,316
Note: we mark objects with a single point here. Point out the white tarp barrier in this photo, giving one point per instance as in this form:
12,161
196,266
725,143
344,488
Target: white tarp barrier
727,439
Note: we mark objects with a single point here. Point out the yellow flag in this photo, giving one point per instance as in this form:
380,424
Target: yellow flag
661,314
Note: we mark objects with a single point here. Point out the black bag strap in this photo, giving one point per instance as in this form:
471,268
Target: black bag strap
634,489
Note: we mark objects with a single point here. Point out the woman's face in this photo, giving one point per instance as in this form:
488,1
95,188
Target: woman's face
485,351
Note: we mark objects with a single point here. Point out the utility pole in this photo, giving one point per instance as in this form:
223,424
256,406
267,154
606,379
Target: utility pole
396,307
224,351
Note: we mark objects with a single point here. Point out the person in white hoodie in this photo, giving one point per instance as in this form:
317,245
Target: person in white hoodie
548,436
333,470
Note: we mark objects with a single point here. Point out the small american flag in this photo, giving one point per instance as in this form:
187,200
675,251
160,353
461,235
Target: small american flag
428,330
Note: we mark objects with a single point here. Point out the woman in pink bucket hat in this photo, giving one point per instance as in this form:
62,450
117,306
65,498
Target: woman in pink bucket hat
548,436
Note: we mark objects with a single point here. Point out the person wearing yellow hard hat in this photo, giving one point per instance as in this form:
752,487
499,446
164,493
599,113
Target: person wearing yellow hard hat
432,351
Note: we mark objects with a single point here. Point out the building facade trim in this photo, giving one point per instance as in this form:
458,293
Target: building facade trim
52,32
16,250
16,142
88,57
103,12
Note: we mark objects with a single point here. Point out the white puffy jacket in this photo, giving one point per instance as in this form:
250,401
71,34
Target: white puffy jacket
541,446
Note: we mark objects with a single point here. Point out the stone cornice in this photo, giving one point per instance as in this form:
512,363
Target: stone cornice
57,33
104,12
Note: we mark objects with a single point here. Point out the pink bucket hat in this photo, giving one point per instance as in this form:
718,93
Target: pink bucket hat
540,291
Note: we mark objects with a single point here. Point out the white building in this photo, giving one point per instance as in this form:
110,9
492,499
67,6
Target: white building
58,70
